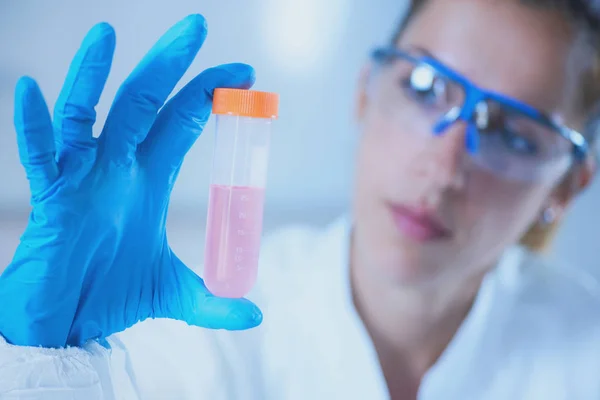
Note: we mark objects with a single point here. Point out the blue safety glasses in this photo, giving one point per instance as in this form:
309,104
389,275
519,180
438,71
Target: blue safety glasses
504,135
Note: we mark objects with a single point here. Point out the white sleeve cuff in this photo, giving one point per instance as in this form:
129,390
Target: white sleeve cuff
87,373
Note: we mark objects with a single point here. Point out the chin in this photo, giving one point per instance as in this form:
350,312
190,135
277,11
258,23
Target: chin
390,257
409,273
404,266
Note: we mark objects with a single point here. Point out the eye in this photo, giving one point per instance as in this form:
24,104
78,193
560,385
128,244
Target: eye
519,144
426,86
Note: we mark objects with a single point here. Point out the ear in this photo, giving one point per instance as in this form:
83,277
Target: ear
573,184
587,173
362,97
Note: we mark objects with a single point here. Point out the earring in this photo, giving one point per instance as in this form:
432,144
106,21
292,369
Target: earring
548,216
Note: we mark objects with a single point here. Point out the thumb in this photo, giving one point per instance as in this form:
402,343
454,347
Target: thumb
187,299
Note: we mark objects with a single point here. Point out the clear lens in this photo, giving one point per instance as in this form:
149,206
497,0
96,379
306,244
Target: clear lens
416,95
518,147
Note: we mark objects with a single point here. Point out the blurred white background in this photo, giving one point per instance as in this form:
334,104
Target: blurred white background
310,51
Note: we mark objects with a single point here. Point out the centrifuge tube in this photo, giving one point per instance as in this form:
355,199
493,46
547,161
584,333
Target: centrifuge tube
237,189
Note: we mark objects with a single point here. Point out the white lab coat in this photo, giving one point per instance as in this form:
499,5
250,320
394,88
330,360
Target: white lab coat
533,333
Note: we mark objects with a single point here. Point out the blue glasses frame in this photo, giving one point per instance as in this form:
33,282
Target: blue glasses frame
475,95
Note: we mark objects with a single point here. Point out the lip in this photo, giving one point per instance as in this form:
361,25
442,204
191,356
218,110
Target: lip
419,224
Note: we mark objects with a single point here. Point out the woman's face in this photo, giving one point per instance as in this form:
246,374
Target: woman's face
423,210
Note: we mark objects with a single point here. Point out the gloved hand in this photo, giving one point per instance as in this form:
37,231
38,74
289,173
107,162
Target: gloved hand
94,259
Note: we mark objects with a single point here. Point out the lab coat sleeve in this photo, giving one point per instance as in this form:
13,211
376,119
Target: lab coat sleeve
171,360
89,373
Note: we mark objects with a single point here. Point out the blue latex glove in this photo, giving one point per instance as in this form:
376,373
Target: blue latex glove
94,259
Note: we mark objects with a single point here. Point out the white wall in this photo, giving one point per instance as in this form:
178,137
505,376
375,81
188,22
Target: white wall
310,51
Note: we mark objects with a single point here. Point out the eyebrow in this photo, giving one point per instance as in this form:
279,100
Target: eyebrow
423,52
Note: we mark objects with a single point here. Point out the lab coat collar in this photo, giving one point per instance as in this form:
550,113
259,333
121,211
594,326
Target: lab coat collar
505,276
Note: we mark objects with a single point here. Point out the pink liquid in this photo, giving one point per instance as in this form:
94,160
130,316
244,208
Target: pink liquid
233,232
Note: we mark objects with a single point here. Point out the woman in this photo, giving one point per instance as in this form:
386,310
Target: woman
477,123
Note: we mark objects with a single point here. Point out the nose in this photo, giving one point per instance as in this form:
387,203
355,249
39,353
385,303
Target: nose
442,162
